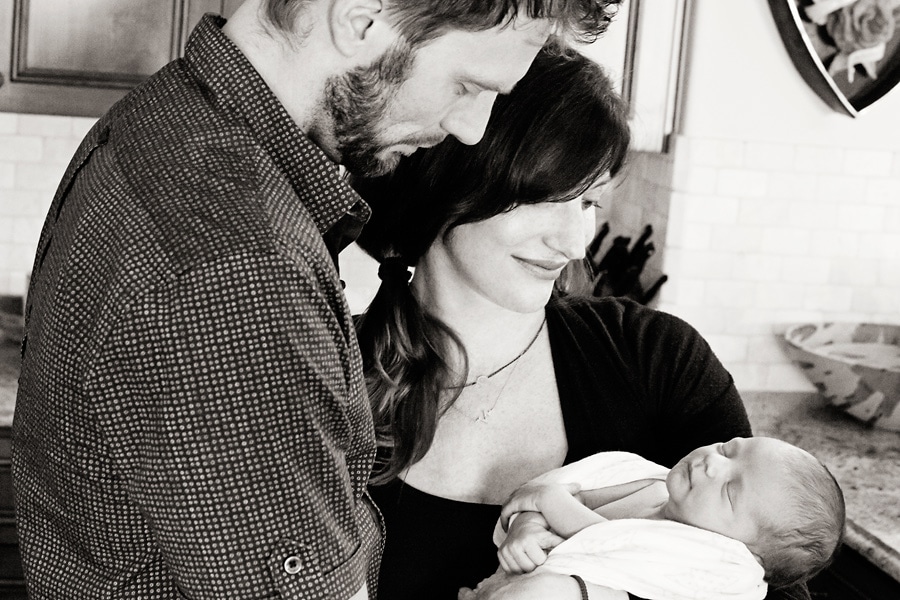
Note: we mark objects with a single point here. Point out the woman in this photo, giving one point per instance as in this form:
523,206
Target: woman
477,383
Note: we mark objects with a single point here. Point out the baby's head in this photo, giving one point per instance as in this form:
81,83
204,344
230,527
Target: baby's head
777,499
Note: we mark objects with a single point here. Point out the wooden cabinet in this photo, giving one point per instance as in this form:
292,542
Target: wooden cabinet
12,583
78,58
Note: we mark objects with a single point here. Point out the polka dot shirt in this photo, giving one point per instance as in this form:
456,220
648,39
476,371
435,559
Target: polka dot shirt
191,418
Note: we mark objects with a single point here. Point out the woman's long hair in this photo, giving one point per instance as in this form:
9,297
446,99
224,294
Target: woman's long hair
561,128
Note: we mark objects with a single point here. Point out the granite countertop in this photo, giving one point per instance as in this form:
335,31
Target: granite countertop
865,461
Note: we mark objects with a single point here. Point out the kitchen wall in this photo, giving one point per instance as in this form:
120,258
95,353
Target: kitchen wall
780,210
769,209
34,152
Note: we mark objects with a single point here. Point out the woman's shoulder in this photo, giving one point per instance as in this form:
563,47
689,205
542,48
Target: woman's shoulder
610,311
622,322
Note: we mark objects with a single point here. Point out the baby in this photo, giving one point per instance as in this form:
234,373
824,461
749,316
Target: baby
777,500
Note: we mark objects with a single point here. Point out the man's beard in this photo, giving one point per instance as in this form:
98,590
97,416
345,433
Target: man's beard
359,101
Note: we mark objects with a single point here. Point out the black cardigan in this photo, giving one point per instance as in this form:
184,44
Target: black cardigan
629,378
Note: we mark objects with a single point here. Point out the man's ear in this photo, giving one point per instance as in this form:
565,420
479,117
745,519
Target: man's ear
360,26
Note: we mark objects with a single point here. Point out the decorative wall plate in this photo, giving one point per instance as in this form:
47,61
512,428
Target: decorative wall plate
847,51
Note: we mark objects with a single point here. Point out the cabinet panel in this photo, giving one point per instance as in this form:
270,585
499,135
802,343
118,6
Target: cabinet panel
78,58
114,42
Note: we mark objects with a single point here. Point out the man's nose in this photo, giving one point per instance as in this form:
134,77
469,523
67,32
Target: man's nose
469,118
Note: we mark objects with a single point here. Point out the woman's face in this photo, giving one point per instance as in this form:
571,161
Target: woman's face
513,259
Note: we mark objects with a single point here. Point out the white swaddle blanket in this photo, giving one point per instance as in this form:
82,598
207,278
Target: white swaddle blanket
653,559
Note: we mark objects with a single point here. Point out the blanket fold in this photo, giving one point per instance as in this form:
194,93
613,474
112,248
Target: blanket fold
653,559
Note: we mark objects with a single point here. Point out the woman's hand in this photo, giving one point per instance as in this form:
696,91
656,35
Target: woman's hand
527,544
532,497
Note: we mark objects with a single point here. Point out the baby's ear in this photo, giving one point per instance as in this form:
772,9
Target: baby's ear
756,555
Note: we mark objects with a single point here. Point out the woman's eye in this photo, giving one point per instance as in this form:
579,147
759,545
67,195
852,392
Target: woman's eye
586,204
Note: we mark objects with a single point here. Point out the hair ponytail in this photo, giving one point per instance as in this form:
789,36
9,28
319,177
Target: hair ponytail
407,373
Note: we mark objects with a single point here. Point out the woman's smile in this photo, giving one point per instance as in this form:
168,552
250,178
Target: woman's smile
543,269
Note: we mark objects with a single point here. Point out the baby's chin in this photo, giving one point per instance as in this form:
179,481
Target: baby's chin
672,479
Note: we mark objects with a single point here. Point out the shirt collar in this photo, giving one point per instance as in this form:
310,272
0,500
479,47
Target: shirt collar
233,81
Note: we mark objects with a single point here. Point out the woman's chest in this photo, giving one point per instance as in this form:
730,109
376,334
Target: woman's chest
484,460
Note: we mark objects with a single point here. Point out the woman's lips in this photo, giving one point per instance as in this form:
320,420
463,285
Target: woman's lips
545,269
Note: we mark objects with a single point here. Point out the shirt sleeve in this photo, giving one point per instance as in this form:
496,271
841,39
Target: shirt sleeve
226,399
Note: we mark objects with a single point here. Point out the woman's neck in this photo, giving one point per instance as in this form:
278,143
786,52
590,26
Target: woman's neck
491,334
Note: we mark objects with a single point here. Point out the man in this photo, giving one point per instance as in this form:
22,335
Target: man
191,418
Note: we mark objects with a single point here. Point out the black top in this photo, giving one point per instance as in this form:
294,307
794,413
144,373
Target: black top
630,378
439,547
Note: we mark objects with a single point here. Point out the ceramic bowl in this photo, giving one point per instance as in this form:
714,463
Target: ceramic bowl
855,366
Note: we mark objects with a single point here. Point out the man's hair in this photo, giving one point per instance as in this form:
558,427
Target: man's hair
423,20
806,536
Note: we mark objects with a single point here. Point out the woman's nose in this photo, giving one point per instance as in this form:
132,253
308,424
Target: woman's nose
468,119
572,229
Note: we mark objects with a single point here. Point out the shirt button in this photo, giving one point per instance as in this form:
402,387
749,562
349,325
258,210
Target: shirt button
293,565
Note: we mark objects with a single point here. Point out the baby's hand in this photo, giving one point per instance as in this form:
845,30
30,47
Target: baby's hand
531,497
526,546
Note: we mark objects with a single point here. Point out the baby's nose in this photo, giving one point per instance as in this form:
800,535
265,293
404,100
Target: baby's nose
714,465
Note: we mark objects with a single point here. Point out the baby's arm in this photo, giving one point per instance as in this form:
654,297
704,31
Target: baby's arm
564,512
527,543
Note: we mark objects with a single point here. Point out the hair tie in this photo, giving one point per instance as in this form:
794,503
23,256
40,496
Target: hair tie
394,269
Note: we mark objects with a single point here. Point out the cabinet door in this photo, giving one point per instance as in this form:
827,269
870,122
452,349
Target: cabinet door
78,58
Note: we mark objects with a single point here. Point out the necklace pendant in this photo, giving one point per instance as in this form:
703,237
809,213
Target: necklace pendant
482,380
485,415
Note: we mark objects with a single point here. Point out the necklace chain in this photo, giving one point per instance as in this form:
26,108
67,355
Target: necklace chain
482,378
480,381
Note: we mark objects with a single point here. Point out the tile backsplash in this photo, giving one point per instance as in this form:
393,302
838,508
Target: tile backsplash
753,235
763,235
34,152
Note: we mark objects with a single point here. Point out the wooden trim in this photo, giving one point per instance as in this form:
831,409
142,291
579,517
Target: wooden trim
23,74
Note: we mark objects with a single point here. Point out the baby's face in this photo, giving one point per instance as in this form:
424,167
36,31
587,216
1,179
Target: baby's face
730,488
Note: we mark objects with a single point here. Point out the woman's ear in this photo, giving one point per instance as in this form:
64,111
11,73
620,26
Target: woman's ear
360,28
